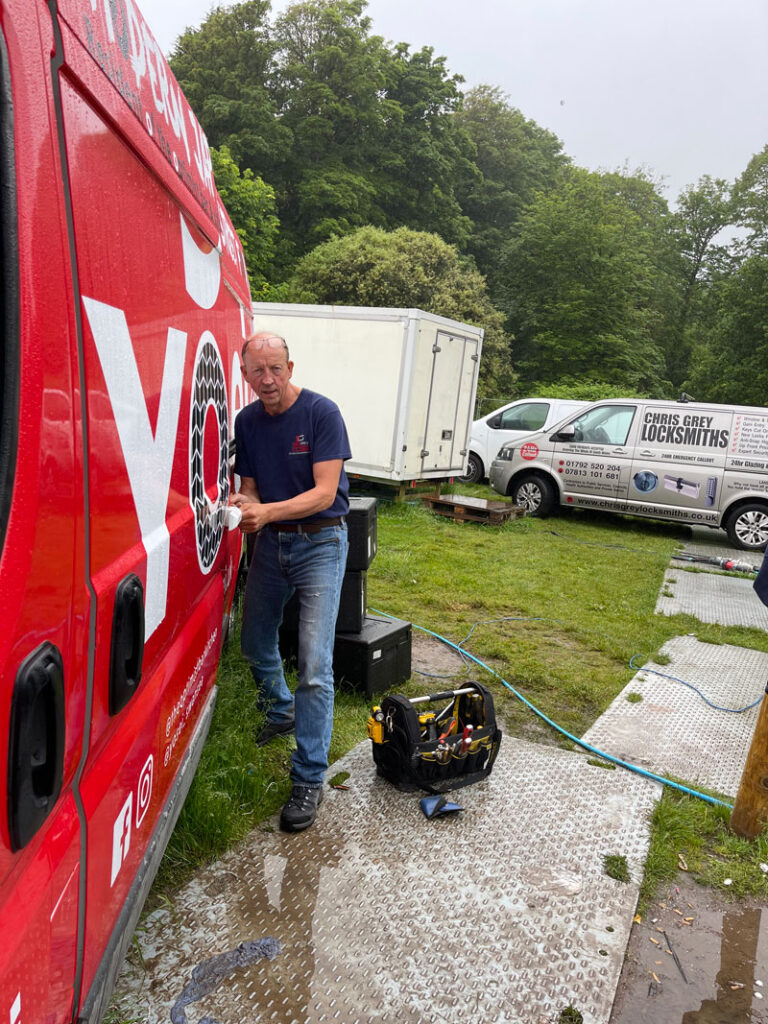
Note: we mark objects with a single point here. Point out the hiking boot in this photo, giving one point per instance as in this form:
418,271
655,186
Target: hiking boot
301,809
279,728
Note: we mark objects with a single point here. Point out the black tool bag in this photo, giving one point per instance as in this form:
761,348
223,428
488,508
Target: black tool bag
419,746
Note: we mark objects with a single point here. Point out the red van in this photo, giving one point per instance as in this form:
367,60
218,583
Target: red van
124,301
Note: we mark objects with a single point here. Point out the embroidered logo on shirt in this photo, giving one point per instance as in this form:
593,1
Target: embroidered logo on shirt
299,446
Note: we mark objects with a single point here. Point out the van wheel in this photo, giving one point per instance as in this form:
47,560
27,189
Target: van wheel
747,528
474,472
535,494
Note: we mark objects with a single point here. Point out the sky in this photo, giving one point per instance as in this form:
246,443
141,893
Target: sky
676,87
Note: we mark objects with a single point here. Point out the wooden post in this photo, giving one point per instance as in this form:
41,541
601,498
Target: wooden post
750,812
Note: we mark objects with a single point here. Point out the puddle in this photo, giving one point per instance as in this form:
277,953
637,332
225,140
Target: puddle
695,959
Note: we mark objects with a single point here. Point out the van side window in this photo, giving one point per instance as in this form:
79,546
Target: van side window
608,424
531,416
9,296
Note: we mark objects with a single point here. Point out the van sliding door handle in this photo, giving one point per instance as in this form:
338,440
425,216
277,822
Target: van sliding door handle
127,643
36,743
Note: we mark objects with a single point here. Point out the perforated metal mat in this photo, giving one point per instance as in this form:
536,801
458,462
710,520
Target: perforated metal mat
501,913
710,597
672,730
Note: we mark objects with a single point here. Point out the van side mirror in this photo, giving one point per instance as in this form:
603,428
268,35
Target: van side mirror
566,433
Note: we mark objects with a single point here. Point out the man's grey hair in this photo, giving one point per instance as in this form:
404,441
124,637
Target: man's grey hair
265,338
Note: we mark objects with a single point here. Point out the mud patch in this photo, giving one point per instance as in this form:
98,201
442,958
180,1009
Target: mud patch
695,959
432,658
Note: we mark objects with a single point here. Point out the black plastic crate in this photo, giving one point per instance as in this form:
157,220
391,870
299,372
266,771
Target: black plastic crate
375,659
361,530
352,603
354,593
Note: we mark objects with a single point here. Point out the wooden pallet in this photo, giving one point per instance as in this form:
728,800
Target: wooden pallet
476,510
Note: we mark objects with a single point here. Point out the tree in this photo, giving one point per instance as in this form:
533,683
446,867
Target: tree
327,88
224,68
733,366
406,269
750,199
250,204
582,284
703,211
515,158
427,158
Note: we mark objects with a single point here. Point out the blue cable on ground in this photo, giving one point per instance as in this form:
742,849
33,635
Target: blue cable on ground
717,707
574,739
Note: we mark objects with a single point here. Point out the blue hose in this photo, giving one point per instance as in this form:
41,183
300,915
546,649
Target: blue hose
574,739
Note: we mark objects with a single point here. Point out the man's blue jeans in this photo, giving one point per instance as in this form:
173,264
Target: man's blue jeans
312,564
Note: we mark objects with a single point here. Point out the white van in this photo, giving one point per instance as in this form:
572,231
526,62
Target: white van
508,423
686,460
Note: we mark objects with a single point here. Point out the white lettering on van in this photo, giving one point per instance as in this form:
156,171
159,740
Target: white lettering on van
148,458
202,153
121,838
202,270
146,58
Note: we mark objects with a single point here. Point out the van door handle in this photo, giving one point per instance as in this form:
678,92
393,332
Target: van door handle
127,642
645,451
36,743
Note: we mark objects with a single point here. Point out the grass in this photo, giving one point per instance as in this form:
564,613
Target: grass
686,831
557,607
616,866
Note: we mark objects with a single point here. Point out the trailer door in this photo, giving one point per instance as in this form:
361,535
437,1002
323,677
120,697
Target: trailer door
455,362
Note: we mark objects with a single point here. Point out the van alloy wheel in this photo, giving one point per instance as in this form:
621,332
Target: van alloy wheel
535,494
748,528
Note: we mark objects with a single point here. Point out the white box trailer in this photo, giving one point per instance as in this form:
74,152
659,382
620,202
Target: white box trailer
405,382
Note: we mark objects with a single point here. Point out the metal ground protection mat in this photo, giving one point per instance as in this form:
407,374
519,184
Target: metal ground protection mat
672,730
710,597
501,913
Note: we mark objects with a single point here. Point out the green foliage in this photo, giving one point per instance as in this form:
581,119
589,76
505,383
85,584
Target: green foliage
581,283
683,826
582,390
604,290
615,865
733,367
407,269
516,158
251,207
224,68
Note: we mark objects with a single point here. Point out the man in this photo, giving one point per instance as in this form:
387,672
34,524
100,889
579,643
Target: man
290,450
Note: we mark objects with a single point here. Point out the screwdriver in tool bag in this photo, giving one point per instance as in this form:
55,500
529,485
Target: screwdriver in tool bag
466,738
443,750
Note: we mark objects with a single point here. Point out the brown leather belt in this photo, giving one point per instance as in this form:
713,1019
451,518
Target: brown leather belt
314,527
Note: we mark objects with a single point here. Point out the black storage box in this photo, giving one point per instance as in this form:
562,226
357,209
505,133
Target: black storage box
375,659
352,603
354,593
361,530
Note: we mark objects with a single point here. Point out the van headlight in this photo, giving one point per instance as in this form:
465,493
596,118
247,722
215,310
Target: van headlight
505,454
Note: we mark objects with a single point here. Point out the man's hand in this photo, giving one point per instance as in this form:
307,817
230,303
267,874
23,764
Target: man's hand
255,516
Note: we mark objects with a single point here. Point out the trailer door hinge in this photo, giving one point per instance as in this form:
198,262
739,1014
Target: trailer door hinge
424,453
475,357
436,348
